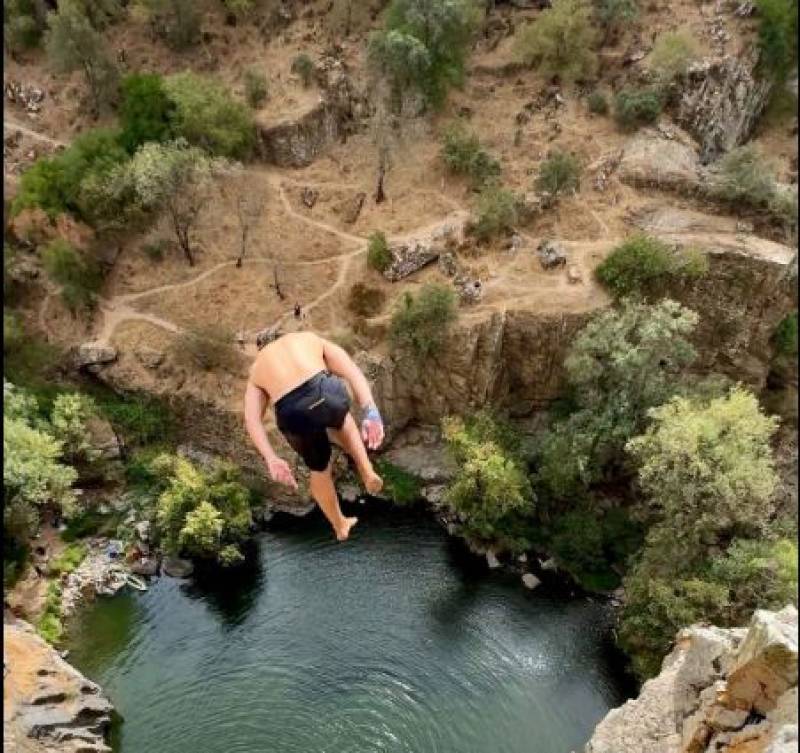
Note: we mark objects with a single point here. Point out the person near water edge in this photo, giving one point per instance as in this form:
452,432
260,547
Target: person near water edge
301,374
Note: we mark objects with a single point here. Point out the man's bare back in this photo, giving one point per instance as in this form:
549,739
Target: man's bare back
299,374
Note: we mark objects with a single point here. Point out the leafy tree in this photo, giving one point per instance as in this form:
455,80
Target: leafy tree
72,43
561,41
636,107
33,475
62,183
777,34
255,87
379,256
463,155
145,111
420,323
672,54
177,22
559,173
201,513
491,482
707,471
644,266
171,177
69,418
622,363
24,22
496,213
78,276
206,116
423,47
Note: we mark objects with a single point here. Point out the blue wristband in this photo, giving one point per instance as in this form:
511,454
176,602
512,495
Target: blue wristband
372,414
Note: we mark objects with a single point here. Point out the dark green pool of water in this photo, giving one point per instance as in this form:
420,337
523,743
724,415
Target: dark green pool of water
394,641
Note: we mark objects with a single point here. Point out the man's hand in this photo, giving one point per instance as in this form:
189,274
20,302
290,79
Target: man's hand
281,471
372,428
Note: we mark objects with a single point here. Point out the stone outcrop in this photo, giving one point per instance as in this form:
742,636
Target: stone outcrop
48,705
722,102
94,354
298,141
718,690
650,159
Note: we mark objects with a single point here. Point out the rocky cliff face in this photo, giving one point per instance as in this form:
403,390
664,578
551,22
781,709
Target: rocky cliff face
48,705
719,690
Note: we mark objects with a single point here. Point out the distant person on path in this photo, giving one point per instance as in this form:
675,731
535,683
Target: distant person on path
298,312
299,373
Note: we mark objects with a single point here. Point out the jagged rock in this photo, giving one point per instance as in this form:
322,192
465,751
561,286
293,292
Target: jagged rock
142,529
723,101
29,96
448,264
102,439
649,159
530,581
470,292
551,254
94,354
309,196
408,258
176,567
766,665
144,566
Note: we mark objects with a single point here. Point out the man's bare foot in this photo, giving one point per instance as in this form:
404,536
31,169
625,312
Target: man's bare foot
373,483
344,531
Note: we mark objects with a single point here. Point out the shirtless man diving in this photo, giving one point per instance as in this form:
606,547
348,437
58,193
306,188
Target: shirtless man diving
299,373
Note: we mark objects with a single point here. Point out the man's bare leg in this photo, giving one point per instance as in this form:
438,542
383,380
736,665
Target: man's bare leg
324,494
349,438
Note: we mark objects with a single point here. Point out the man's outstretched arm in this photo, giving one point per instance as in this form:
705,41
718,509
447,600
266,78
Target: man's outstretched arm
340,363
255,403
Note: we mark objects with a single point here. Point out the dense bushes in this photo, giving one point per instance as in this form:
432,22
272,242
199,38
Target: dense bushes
616,15
597,103
379,257
145,111
463,155
672,54
23,24
777,35
496,213
420,323
423,47
645,266
637,107
559,173
560,42
202,513
177,22
786,335
491,481
76,273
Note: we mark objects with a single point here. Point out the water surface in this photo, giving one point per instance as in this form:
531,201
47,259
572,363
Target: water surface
394,641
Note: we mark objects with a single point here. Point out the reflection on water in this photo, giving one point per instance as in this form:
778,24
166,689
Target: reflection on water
394,641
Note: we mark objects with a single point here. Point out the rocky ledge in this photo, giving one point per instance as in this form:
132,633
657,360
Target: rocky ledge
48,705
719,690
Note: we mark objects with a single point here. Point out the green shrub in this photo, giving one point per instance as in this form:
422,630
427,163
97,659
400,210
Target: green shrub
559,173
69,417
672,54
463,155
177,22
49,625
364,300
491,482
421,323
303,66
786,335
78,276
206,115
423,47
597,103
744,175
645,266
497,213
154,250
208,348
616,15
777,35
561,41
255,87
57,184
23,24
68,560
140,419
379,256
400,486
13,335
145,110
201,513
636,107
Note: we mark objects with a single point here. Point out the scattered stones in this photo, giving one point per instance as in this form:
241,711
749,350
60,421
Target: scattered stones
574,275
309,196
470,292
95,354
27,95
530,581
176,567
551,254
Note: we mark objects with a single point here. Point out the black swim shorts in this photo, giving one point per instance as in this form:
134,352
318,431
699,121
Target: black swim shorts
305,414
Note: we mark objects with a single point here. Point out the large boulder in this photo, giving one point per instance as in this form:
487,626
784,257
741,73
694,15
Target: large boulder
651,159
94,354
723,101
408,258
